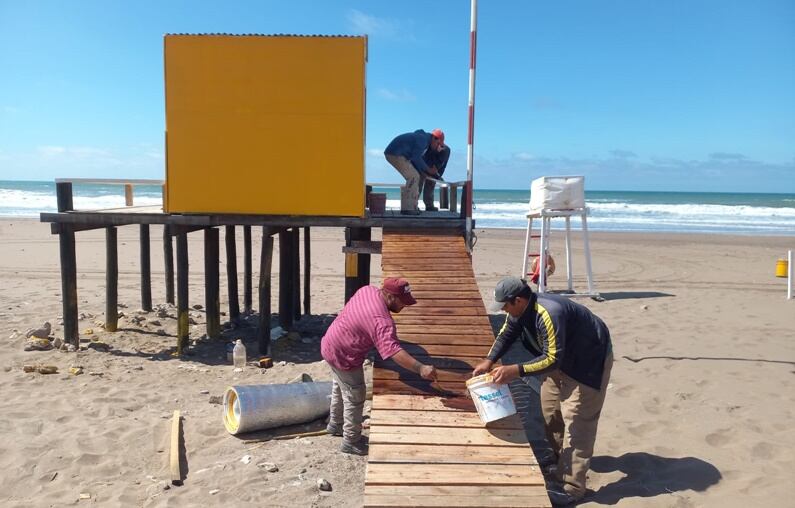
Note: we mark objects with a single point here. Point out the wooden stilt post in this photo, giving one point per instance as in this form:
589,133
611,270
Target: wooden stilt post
296,273
247,269
307,271
285,279
182,292
146,270
111,279
364,259
357,266
231,274
212,304
66,238
168,257
266,262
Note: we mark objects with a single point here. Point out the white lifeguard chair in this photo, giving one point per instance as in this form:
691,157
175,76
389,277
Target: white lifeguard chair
557,197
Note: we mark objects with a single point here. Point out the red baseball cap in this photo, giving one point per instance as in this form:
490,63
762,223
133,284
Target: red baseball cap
400,288
438,134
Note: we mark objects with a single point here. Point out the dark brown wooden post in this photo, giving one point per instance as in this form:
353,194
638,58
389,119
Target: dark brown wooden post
444,201
231,274
182,292
247,269
212,304
285,279
357,266
296,273
364,259
111,279
307,271
146,270
168,257
266,262
66,240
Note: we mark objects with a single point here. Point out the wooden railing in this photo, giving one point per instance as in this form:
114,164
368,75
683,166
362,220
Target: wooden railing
128,184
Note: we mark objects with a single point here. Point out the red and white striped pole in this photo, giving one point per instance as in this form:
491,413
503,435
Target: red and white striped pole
471,134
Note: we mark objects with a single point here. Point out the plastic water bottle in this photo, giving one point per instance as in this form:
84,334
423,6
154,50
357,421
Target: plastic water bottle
239,355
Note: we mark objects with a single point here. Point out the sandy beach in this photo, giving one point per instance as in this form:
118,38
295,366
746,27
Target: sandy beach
698,411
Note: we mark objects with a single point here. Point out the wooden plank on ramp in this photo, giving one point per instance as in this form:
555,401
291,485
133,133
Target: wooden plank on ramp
428,446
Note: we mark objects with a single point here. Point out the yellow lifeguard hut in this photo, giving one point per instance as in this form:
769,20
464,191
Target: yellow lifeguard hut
265,124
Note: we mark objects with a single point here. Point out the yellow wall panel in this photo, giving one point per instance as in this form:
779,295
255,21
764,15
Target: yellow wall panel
265,124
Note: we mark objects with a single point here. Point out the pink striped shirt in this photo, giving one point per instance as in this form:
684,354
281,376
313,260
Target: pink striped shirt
364,323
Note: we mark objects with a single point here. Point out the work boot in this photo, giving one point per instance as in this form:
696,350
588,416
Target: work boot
409,212
334,429
431,208
559,497
358,448
548,462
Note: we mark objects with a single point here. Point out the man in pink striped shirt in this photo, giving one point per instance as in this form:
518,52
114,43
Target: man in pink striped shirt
365,322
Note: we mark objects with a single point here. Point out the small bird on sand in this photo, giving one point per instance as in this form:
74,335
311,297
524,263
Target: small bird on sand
41,333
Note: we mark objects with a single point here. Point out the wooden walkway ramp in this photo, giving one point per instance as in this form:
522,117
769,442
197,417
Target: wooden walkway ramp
427,444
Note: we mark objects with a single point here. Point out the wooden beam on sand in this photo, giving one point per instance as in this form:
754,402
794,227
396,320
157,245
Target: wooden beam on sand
174,455
212,304
231,273
182,292
66,240
111,279
146,270
266,263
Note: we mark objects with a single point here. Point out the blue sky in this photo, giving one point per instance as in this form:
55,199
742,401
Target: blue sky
635,95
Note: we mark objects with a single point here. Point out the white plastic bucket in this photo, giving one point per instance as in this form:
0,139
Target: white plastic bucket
493,401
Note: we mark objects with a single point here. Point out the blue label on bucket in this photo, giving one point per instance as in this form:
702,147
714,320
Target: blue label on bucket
491,396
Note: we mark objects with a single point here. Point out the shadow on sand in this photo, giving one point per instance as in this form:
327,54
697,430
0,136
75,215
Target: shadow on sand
648,475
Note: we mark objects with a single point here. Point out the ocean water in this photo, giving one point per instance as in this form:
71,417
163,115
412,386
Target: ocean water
694,212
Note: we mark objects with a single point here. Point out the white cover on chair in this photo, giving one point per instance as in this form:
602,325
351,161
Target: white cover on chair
557,193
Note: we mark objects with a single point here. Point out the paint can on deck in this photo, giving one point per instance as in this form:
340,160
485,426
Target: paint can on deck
781,268
493,401
377,203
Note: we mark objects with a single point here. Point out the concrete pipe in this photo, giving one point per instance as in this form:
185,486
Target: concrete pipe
256,407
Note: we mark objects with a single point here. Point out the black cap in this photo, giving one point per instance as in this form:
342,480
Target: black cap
507,289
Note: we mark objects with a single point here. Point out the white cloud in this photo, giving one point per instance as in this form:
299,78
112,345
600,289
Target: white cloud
373,26
375,152
401,95
523,156
62,161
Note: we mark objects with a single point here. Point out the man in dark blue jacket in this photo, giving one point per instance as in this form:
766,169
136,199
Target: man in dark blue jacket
573,356
405,154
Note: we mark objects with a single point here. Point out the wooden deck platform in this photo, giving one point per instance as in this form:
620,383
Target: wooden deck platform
427,444
442,219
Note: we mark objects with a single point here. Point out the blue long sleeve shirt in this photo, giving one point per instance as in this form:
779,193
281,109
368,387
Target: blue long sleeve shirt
411,145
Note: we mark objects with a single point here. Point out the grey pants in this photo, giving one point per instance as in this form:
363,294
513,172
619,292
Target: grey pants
414,180
427,192
348,392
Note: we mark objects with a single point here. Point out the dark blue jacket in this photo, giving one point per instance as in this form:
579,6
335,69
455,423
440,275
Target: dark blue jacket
411,145
561,334
438,159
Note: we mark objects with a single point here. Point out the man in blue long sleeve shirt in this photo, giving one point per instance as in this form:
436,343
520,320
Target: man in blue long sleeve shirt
572,354
405,154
